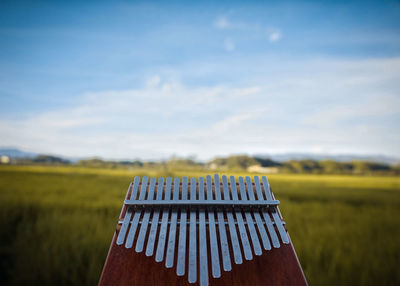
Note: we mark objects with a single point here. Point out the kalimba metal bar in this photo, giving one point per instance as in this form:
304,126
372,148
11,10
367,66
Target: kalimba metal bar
167,211
202,203
197,223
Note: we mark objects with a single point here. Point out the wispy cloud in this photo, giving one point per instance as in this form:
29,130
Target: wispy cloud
153,81
229,45
222,23
340,106
371,108
275,36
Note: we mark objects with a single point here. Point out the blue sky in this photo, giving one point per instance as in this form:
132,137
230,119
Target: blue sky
147,80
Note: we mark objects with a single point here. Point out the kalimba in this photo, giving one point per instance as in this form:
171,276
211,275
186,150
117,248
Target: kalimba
205,231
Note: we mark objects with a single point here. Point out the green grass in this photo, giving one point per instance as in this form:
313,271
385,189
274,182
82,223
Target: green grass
57,223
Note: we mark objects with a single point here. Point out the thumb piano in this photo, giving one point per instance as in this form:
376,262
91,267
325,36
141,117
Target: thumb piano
201,231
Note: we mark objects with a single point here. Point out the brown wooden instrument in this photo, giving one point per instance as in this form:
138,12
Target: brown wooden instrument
202,231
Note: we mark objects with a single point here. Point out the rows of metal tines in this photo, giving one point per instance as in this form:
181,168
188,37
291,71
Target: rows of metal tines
220,233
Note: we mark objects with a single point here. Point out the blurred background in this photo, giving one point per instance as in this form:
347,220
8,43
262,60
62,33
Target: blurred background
95,93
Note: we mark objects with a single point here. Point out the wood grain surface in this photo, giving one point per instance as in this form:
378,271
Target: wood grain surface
278,266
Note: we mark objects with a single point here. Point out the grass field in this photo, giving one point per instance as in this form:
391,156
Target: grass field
57,223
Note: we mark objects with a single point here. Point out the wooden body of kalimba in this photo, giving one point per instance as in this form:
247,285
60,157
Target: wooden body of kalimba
180,233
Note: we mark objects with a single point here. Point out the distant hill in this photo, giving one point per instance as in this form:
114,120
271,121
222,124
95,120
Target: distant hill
338,158
16,153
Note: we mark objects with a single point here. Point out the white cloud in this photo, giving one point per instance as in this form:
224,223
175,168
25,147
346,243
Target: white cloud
222,23
340,106
232,123
371,107
229,45
154,81
275,36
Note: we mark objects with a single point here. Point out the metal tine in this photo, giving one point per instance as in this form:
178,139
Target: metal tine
270,225
202,239
226,259
192,275
260,225
154,221
146,218
180,268
275,215
231,222
164,224
250,223
128,213
216,268
169,260
243,234
127,196
138,212
280,217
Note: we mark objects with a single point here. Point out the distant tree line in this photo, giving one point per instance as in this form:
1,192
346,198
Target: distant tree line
334,167
244,162
238,162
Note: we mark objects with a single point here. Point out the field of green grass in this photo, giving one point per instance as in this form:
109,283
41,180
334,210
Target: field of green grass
56,224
